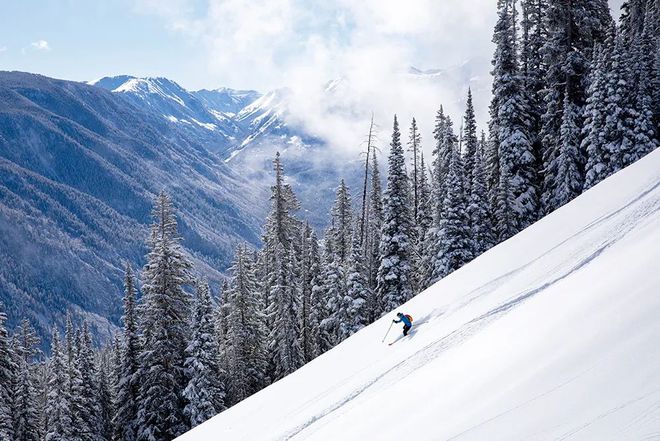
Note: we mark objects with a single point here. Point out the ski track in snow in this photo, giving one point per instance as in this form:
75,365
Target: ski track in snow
614,230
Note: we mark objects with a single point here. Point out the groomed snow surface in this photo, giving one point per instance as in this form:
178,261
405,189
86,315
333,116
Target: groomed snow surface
552,335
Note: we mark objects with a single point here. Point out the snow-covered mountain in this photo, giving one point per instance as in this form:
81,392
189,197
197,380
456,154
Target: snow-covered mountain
225,100
195,113
551,335
79,170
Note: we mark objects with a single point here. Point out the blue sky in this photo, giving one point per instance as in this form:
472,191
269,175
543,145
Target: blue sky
88,39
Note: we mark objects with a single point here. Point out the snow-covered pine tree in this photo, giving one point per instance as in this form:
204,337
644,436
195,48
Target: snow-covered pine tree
342,221
504,215
446,144
246,332
645,84
310,273
58,415
357,293
532,71
631,22
424,212
8,373
454,232
597,166
574,28
220,323
479,207
443,134
25,406
619,134
394,274
281,248
105,393
333,288
89,416
469,139
569,181
415,149
284,340
510,108
424,222
74,377
203,393
373,234
164,324
127,387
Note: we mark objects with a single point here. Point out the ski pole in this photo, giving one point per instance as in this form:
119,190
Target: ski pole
388,331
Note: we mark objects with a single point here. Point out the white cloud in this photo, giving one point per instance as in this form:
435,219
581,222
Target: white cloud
302,44
3,49
40,45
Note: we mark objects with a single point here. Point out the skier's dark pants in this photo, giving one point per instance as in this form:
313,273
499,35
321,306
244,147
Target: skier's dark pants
406,328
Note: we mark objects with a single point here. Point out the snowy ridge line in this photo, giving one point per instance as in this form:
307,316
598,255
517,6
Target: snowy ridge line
433,350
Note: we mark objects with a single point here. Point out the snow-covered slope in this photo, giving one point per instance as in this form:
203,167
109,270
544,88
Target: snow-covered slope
226,101
552,335
188,111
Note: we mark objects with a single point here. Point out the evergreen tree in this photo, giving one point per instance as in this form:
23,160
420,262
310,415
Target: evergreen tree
394,274
597,166
470,139
373,235
415,149
645,85
333,289
506,222
203,393
446,146
127,388
479,208
510,109
574,28
246,331
445,139
281,246
58,426
311,271
7,375
285,335
357,294
342,221
89,416
75,382
424,223
106,401
164,328
25,406
222,311
569,178
532,71
454,233
619,134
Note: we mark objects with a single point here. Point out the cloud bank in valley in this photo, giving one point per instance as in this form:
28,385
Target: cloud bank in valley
369,45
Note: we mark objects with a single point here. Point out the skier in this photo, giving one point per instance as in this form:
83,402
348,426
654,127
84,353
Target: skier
407,321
